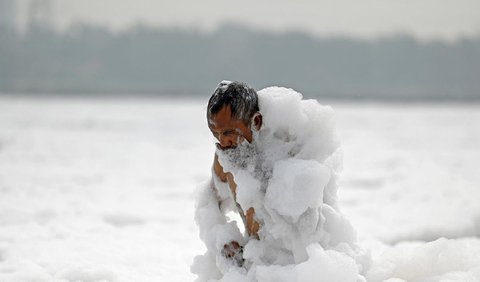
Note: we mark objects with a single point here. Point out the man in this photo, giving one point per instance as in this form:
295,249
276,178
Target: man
232,114
276,164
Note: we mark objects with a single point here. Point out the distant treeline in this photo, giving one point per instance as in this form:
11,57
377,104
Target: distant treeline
92,59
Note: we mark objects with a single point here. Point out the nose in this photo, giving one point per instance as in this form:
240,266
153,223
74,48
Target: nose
225,141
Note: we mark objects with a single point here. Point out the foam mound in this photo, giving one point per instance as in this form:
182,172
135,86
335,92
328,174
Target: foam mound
439,260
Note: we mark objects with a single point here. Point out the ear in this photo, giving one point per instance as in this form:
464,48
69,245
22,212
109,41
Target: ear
257,120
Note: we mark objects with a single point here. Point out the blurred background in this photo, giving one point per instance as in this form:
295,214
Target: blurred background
407,50
103,136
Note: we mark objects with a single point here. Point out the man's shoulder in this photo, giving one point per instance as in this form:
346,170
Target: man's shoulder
218,169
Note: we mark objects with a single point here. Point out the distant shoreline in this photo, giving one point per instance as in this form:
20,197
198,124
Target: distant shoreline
204,97
160,62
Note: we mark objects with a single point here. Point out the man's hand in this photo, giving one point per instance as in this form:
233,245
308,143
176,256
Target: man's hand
252,225
234,251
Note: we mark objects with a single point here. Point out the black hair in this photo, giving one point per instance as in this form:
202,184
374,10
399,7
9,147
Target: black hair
241,97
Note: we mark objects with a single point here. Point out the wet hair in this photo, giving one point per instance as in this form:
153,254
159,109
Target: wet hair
241,97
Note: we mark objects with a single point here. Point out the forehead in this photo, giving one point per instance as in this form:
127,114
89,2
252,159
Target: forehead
223,120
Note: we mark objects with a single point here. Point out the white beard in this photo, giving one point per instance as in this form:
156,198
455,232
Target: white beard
247,157
241,157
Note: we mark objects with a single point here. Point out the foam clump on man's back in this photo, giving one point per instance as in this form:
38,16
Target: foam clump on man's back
282,194
311,124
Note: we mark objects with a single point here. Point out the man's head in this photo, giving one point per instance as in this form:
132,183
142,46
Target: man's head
232,112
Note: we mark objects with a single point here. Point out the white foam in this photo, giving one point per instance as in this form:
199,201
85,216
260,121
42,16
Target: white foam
440,260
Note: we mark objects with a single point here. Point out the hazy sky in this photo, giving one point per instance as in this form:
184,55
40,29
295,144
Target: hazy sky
426,19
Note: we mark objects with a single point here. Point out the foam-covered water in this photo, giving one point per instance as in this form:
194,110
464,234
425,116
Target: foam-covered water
97,189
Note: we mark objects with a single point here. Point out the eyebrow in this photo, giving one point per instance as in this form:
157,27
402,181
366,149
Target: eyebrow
223,131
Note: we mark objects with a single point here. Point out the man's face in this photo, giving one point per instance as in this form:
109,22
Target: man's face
228,131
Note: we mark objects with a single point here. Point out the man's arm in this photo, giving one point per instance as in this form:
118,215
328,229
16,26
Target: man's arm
231,249
218,169
225,177
251,225
222,238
